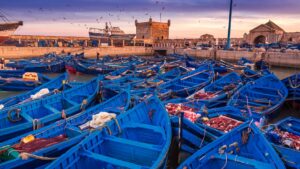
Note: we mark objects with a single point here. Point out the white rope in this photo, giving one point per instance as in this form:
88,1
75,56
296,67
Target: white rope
203,137
294,86
225,162
25,156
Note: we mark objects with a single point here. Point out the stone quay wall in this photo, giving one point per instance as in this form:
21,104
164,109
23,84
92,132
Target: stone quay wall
288,59
11,52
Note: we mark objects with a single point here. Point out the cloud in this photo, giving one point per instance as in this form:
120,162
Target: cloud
262,6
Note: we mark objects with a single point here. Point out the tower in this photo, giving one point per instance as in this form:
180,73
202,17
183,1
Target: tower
152,31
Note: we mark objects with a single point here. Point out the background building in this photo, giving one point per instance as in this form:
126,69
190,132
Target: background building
270,33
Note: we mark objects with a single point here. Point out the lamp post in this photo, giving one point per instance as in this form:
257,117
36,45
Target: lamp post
229,26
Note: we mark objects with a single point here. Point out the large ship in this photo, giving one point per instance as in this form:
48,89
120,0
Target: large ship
109,33
7,28
96,33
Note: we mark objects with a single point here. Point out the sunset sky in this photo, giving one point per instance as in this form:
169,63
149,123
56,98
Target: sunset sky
189,18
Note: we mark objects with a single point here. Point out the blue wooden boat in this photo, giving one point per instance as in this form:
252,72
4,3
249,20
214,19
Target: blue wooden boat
141,90
218,67
87,68
49,63
187,84
246,63
289,124
60,135
173,73
147,71
285,137
243,147
21,82
54,85
19,64
11,73
49,66
139,138
35,114
119,73
293,85
144,77
123,81
242,61
248,74
217,93
259,98
147,86
193,63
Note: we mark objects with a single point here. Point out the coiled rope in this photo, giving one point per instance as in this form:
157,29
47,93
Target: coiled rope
17,113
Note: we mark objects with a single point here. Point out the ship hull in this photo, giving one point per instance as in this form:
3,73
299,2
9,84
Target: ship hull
7,29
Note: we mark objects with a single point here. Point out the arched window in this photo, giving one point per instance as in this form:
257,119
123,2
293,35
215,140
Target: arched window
143,37
162,37
291,39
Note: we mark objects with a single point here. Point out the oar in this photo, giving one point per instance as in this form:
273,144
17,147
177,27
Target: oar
257,108
193,75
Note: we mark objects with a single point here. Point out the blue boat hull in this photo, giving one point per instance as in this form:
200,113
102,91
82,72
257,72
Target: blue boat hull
290,156
236,150
67,128
32,115
138,140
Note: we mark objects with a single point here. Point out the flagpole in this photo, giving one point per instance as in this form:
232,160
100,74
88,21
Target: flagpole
160,16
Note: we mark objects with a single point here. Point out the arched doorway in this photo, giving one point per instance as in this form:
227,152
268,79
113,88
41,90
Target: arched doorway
260,40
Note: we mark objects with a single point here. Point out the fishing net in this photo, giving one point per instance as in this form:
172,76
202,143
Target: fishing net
222,123
285,138
189,113
38,143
